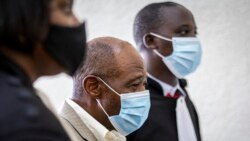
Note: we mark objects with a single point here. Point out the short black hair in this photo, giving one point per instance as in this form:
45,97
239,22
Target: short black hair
23,23
148,19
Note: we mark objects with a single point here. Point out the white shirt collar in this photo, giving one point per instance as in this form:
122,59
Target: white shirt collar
166,87
100,131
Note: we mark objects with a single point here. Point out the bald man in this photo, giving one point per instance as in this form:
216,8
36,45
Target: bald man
109,99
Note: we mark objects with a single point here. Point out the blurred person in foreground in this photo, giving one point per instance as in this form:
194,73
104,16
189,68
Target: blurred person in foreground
37,38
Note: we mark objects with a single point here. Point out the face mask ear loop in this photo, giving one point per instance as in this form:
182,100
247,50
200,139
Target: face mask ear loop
99,103
157,53
161,37
108,86
97,100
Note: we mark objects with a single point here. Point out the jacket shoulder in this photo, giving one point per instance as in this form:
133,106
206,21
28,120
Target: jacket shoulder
23,115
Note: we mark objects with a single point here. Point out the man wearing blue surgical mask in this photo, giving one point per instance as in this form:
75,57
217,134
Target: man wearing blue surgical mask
109,99
165,34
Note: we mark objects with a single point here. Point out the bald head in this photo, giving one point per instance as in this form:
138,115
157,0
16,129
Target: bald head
102,60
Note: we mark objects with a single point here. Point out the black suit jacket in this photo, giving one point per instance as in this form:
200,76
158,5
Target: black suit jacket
161,123
23,116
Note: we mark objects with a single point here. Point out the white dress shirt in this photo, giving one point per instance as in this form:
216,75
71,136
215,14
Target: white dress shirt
185,127
168,88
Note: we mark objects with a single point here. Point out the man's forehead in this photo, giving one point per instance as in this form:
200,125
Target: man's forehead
129,58
176,16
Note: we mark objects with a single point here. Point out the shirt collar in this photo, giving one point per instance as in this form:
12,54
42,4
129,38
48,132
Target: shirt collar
166,87
99,131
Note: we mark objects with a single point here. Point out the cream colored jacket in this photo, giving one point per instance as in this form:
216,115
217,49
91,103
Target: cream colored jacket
83,126
50,106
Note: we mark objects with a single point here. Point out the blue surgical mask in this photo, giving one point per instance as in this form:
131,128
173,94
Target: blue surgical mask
186,55
133,113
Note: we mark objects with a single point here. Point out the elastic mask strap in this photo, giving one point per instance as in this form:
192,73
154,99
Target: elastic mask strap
102,82
108,85
156,52
156,35
159,36
99,103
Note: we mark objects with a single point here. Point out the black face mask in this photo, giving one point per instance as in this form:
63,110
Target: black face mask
67,45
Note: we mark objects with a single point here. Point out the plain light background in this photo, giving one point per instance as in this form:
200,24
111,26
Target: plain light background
220,88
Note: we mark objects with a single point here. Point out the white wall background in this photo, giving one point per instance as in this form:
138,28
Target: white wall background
220,88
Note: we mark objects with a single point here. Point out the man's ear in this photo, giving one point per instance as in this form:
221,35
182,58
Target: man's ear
92,87
149,41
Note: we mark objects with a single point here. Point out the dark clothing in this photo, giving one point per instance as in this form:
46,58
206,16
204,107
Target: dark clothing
161,124
23,116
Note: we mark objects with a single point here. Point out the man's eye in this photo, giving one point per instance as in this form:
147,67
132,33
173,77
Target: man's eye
135,85
184,32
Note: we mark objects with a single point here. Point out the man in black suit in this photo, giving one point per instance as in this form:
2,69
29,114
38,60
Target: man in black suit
37,38
165,35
